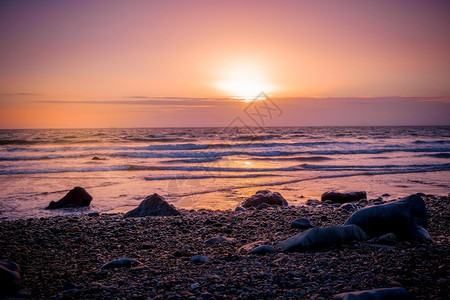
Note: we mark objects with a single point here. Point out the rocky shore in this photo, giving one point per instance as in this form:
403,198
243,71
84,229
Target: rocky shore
208,254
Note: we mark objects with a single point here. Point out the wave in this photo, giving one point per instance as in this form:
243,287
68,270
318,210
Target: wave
423,167
438,155
210,176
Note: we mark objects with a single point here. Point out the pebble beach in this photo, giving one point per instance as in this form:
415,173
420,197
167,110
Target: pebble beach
62,257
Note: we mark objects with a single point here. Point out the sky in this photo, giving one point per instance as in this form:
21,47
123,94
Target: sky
72,64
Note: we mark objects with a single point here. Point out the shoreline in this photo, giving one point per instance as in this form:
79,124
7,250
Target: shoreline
61,257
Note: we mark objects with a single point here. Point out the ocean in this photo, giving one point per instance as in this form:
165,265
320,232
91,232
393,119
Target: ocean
215,168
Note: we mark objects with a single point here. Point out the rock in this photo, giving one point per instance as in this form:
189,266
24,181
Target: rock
121,263
76,197
404,217
319,237
9,278
266,197
349,207
219,240
153,205
240,208
301,223
313,202
376,294
336,197
263,249
199,259
96,158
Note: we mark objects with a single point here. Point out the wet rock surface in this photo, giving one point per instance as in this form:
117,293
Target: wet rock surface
65,264
265,199
153,205
336,197
76,197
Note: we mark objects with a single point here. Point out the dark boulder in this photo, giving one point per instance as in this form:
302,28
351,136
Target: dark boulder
336,197
266,197
376,294
320,237
153,205
76,197
406,218
9,278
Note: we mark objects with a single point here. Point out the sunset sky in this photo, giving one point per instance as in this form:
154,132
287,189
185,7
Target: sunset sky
193,63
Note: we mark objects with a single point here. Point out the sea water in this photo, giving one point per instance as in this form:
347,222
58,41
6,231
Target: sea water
216,168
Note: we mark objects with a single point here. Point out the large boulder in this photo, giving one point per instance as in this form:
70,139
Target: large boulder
9,278
266,197
320,237
336,197
76,197
406,218
376,294
153,205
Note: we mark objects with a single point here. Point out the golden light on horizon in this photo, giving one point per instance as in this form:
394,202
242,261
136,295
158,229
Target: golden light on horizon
244,82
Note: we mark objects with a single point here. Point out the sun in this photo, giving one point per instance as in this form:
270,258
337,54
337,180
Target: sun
244,82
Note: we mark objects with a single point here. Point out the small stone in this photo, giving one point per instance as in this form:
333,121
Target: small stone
349,207
121,263
199,259
301,223
262,250
240,208
219,240
194,286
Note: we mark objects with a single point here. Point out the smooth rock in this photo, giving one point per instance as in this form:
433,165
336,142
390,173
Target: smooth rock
121,263
319,237
263,249
76,197
153,205
266,197
219,240
349,207
376,294
404,217
199,259
301,223
9,278
336,197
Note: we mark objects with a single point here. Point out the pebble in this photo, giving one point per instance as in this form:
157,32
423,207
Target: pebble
199,259
262,250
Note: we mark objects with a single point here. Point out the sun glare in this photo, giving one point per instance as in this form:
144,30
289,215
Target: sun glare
244,83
